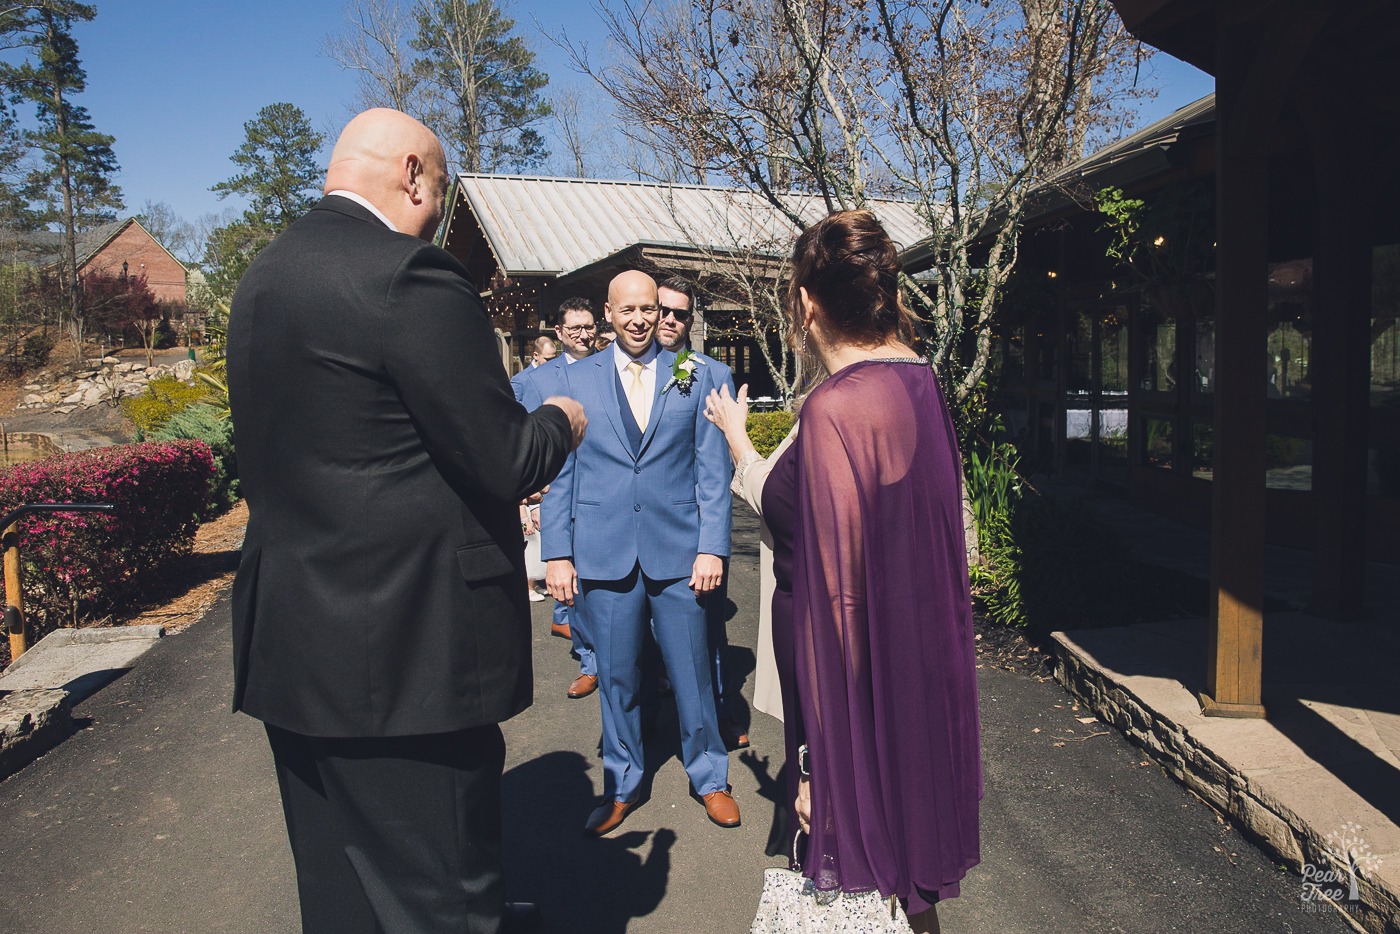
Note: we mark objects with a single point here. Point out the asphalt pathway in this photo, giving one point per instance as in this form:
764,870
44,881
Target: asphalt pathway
161,814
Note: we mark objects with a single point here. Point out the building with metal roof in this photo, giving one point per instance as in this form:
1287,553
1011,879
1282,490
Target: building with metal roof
531,242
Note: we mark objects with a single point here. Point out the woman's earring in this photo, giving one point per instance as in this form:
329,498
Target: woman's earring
804,340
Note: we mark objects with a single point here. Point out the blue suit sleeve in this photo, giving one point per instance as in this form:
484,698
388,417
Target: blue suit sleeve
713,469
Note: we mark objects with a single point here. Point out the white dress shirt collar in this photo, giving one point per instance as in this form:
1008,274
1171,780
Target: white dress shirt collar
647,359
363,202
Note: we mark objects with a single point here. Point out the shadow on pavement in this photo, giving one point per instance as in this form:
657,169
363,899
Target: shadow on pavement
579,883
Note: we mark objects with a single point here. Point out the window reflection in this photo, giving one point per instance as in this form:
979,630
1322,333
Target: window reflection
1158,350
1290,329
1385,325
1157,442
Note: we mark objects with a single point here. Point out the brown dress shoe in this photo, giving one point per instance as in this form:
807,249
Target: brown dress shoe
583,686
607,816
735,736
561,630
721,808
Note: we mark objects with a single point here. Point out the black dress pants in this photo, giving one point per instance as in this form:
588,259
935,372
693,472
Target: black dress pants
397,834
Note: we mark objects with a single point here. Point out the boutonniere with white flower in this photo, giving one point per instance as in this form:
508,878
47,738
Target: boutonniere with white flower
683,371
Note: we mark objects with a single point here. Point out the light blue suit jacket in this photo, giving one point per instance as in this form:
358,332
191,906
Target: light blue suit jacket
610,508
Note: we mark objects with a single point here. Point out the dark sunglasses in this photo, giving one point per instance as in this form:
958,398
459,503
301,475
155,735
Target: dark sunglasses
680,314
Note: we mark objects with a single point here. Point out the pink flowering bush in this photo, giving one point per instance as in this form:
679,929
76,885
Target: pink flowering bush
78,565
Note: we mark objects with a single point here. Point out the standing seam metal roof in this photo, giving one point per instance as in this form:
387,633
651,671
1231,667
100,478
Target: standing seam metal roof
551,226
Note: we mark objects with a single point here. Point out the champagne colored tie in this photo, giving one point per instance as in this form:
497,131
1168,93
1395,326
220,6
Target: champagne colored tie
636,395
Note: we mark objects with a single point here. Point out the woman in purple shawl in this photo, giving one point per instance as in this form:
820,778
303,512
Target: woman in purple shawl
872,622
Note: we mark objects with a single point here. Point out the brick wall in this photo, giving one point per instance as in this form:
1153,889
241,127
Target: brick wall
164,275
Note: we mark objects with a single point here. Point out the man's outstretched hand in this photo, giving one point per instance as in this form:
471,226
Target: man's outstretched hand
578,422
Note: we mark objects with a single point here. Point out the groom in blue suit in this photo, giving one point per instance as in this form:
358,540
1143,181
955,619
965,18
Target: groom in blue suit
638,533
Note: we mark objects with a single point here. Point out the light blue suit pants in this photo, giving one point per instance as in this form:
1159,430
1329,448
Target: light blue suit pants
617,613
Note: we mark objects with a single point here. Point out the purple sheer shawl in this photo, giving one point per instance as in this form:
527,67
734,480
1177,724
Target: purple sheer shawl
883,639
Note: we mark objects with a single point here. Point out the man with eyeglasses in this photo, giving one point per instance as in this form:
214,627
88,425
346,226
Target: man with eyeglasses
677,298
575,330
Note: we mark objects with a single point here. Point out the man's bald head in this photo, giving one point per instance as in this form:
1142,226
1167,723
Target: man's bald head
395,163
632,310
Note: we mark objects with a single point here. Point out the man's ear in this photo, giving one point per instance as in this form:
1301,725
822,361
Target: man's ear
413,182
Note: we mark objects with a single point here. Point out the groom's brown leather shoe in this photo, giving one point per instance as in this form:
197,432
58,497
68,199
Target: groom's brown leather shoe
607,816
721,808
583,686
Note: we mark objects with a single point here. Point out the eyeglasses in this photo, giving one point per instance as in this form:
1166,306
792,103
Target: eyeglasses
680,314
578,328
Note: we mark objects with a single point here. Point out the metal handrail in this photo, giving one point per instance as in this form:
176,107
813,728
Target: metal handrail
14,583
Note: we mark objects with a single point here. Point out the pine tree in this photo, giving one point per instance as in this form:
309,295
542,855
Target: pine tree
281,177
482,89
73,183
280,171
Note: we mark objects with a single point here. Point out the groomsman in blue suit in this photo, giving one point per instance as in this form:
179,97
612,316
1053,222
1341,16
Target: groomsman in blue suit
644,542
676,298
576,329
542,351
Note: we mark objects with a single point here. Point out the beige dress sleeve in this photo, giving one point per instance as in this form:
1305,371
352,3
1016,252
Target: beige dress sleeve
748,483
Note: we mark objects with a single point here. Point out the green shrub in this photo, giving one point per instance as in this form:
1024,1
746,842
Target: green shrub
37,349
164,396
768,429
78,566
202,422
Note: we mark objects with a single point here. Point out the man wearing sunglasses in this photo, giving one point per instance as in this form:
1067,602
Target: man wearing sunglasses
677,298
576,329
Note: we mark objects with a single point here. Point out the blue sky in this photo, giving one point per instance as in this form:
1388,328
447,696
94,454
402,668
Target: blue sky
174,80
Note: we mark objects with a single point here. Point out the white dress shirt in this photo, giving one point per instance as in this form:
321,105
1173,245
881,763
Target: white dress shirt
648,361
363,202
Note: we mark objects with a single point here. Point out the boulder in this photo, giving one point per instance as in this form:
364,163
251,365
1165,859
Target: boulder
184,369
108,361
73,398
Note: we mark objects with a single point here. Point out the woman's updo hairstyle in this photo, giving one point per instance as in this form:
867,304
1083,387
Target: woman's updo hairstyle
850,267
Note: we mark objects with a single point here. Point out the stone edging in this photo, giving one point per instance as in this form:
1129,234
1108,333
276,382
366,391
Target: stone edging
33,721
1262,818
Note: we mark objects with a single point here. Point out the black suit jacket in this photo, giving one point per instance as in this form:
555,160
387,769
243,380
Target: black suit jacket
382,454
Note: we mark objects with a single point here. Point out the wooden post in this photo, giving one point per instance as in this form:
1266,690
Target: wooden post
1234,674
14,594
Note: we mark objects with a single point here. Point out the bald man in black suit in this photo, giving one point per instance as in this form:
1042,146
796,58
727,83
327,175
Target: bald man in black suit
381,629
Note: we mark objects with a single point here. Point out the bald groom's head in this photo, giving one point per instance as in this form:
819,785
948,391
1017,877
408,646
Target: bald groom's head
396,164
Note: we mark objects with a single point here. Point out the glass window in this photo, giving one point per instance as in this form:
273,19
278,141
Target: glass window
1113,436
1158,369
1202,449
1385,325
1157,442
1045,328
1079,353
1383,472
1204,382
1014,354
1113,352
1289,464
1290,329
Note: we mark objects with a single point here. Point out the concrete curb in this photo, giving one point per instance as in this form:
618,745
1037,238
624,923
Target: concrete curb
38,691
1246,796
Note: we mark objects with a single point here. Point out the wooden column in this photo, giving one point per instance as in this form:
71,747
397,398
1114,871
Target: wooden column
1234,673
1340,355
